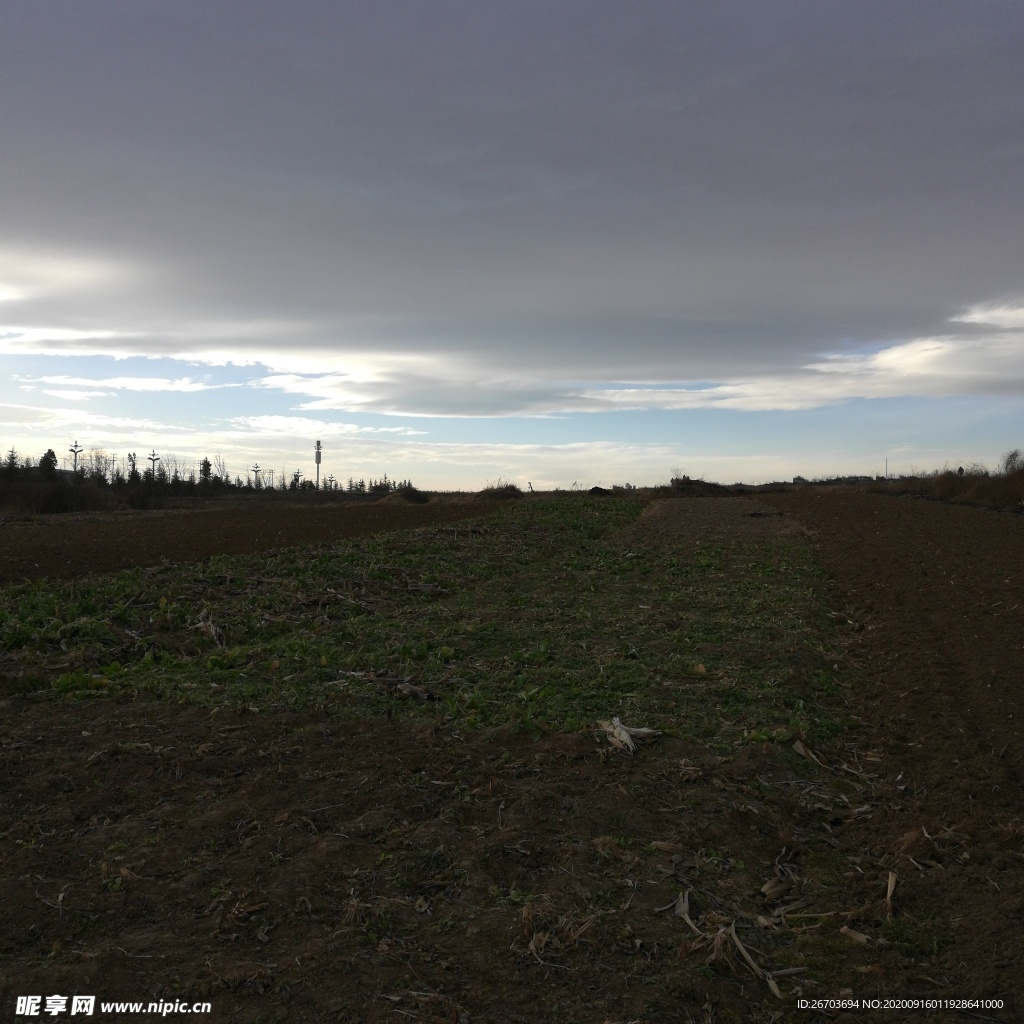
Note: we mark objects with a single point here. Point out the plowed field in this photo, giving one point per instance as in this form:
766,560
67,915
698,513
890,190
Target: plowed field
88,542
325,865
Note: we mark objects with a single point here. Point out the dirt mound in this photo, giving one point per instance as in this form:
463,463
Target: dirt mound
500,492
407,496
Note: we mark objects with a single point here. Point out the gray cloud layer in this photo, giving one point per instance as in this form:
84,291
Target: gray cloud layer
638,192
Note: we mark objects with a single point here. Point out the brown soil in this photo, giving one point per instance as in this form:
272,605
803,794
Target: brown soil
934,596
61,546
298,868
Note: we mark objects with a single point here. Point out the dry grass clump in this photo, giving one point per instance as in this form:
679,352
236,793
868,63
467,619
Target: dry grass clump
974,484
684,486
500,490
408,494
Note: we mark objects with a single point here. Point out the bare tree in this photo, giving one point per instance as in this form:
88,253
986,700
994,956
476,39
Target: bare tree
171,468
95,465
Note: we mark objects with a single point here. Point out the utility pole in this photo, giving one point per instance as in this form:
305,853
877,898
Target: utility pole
153,460
317,453
75,449
256,473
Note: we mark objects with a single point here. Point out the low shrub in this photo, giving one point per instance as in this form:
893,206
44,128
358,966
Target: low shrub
500,490
971,485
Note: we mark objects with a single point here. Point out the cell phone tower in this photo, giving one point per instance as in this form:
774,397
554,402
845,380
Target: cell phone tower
317,456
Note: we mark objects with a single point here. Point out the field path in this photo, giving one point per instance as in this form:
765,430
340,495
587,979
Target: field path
937,595
934,598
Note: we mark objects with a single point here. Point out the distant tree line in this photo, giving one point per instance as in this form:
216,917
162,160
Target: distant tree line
155,474
384,486
99,468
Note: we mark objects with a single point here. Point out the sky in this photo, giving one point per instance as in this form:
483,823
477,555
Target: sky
547,242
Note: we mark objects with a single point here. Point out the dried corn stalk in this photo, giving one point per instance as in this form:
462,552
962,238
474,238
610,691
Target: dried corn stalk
623,736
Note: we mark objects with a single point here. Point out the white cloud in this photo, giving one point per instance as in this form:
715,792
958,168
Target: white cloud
924,367
204,344
29,273
471,385
75,396
42,421
23,340
327,391
132,383
305,427
1008,316
968,364
951,365
23,417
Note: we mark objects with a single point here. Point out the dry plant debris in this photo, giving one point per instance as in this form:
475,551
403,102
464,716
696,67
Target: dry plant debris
624,737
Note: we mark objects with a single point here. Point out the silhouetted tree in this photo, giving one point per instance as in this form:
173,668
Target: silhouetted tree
48,465
11,464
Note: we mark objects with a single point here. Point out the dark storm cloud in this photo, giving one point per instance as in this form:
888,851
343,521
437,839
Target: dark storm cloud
655,191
